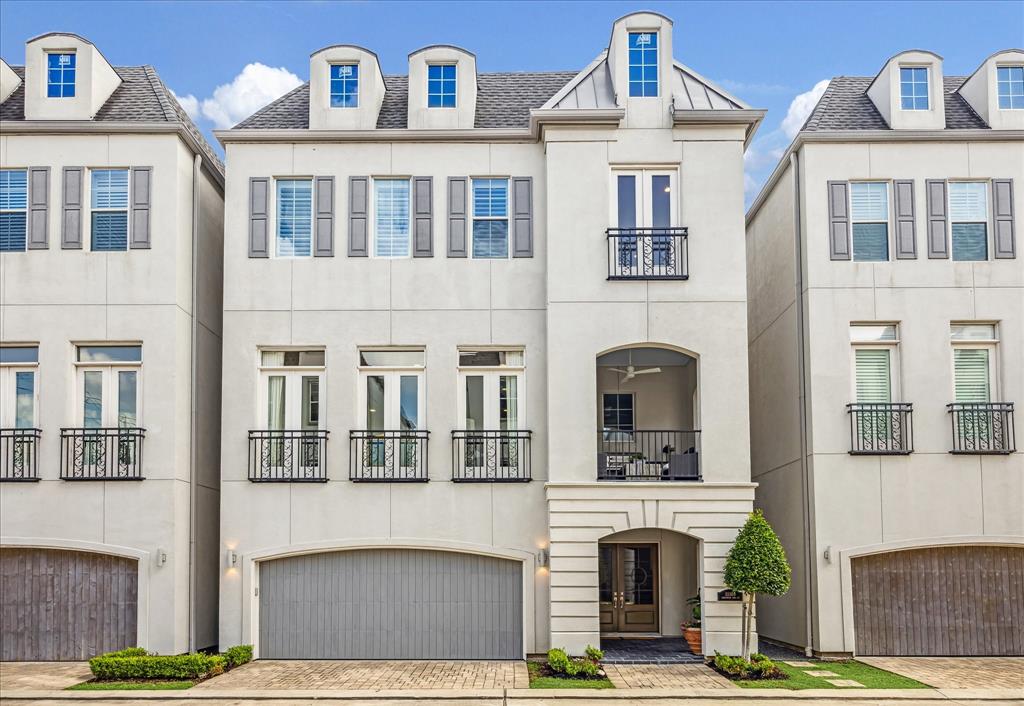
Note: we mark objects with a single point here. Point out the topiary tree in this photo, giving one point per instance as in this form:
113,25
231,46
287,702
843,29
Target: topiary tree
756,564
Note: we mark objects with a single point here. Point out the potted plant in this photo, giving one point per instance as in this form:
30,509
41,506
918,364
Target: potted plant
691,628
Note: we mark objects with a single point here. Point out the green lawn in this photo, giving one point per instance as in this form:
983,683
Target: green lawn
870,677
130,685
539,681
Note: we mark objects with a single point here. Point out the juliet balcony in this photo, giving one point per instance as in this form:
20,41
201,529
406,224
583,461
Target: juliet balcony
499,456
388,456
288,456
982,427
647,254
881,429
103,453
19,454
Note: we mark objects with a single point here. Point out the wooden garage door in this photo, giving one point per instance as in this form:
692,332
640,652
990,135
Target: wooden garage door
391,604
961,600
65,605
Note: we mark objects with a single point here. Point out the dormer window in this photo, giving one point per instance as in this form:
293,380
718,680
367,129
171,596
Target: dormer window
1011,87
914,88
441,86
60,75
344,85
643,64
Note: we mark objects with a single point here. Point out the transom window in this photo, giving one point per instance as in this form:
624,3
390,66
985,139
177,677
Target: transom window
1011,87
13,206
294,217
869,217
109,209
109,385
441,86
344,85
292,391
490,399
914,88
643,64
391,217
391,390
968,218
60,75
490,218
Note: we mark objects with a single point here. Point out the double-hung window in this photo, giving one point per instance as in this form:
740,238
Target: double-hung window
914,88
344,85
441,86
391,217
968,217
643,64
490,218
13,206
869,218
60,75
19,390
109,205
294,217
1010,80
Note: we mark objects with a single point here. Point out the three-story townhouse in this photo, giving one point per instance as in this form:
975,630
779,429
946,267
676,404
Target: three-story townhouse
886,346
484,361
111,212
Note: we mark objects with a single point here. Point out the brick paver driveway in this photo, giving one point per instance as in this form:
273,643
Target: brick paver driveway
391,674
20,676
665,676
956,672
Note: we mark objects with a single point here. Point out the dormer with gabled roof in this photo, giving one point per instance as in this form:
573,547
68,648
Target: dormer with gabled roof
66,78
909,91
346,88
640,68
442,88
996,90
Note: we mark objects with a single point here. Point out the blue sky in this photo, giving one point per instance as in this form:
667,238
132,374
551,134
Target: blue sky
771,54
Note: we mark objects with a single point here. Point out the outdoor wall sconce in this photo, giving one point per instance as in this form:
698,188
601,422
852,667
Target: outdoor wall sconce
543,558
231,559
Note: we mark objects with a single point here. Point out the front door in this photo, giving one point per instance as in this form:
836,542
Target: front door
628,587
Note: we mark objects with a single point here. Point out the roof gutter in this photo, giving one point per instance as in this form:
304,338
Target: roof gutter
67,127
854,136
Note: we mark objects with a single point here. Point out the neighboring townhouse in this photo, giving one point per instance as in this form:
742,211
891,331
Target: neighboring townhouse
525,288
886,315
111,227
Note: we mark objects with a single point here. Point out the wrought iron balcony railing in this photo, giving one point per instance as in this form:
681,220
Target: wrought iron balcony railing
287,456
19,454
491,456
647,253
881,428
388,456
107,453
982,427
648,455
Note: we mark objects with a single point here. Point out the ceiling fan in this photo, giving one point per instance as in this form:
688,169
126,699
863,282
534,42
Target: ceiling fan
631,372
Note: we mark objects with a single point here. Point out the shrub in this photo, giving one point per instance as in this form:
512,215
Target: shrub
239,654
593,654
759,667
138,664
584,667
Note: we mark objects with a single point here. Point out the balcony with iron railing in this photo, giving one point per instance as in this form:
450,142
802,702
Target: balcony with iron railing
19,454
662,455
388,456
480,456
105,453
647,254
878,428
982,427
288,456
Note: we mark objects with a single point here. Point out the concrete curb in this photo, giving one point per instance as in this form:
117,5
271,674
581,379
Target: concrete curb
874,695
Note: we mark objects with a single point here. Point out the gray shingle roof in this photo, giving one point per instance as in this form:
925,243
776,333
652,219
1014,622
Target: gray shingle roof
845,106
141,98
503,100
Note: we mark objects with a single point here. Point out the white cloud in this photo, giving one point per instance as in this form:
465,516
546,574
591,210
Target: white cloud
256,85
190,103
800,108
741,87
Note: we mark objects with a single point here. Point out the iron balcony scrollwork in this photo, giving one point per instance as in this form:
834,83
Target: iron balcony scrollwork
19,454
982,427
491,456
104,453
288,456
388,456
648,253
881,428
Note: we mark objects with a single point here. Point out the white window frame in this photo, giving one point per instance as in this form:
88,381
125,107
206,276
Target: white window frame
275,220
8,389
358,80
392,390
89,210
442,94
293,375
887,221
893,346
109,386
19,210
927,85
492,389
989,344
987,221
372,219
1006,66
46,69
507,217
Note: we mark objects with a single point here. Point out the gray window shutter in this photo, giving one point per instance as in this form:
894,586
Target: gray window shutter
142,189
71,218
259,207
38,228
358,195
457,216
522,217
423,217
839,220
324,236
906,229
1002,206
938,241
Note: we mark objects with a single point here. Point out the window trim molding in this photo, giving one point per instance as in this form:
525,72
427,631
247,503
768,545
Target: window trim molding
927,84
657,63
895,360
507,218
989,216
889,216
989,344
998,95
371,220
24,210
273,221
88,210
330,78
46,76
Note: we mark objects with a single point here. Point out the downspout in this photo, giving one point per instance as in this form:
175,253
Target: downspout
193,405
805,479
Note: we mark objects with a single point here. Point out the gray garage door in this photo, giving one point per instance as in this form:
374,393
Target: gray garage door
391,604
941,601
65,605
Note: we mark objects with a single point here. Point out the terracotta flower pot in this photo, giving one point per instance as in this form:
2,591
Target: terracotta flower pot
693,639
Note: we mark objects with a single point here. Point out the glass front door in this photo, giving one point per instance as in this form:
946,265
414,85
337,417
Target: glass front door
645,204
628,587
